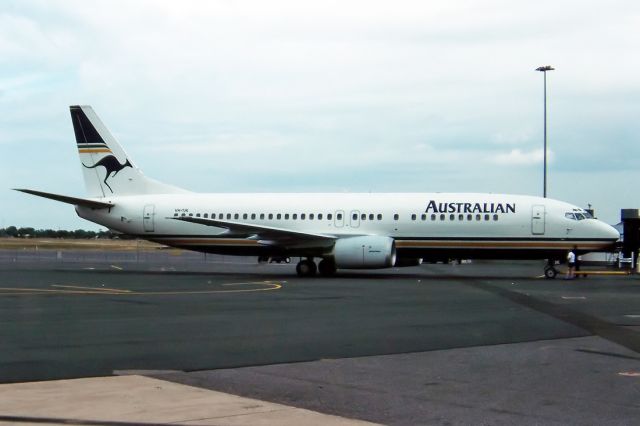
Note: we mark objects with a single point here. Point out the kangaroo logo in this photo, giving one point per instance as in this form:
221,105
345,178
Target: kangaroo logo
111,165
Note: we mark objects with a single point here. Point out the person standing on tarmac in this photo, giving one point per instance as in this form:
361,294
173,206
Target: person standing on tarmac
571,263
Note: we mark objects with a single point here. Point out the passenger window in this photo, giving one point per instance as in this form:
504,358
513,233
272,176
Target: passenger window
469,217
442,216
270,216
183,214
379,216
396,216
478,217
371,216
261,215
424,216
286,216
319,216
329,216
197,214
236,216
279,216
460,217
213,215
495,217
295,216
363,216
486,217
433,216
253,216
354,216
413,216
302,216
452,217
245,216
310,216
190,214
221,216
175,214
339,216
206,215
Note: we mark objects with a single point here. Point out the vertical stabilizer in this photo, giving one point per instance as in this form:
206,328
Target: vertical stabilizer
107,169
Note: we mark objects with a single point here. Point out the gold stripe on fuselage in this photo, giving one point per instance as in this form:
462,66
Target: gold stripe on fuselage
587,245
209,242
93,150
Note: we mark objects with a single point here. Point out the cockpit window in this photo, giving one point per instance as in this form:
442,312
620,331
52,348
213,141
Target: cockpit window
580,216
570,216
587,215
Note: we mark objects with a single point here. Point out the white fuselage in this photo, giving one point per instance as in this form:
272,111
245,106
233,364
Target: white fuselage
425,225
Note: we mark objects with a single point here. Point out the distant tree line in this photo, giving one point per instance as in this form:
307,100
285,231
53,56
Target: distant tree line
13,232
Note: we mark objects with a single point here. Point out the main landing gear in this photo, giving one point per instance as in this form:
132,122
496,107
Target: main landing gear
550,271
307,267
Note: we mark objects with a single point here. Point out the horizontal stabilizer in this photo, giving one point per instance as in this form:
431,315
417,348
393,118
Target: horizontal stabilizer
69,200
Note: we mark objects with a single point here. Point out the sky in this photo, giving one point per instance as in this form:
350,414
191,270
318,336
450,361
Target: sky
324,96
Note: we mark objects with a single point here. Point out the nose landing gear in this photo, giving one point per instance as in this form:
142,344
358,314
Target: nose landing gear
550,271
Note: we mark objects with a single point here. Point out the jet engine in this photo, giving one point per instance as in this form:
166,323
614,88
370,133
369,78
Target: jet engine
368,252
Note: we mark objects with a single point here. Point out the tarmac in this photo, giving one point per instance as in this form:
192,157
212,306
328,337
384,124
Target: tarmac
479,343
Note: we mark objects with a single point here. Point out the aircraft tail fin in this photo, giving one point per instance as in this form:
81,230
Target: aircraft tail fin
106,168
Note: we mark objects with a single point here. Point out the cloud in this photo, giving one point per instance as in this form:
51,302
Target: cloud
517,157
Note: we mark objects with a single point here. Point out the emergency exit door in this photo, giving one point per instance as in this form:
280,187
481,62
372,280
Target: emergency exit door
147,217
537,220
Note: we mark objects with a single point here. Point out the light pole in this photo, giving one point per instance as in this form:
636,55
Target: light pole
544,70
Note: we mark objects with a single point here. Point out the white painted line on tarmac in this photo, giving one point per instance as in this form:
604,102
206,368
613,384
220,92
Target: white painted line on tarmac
573,297
629,373
116,267
632,316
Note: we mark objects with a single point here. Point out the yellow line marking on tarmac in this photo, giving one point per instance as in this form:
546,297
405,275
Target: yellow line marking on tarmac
31,291
91,288
78,290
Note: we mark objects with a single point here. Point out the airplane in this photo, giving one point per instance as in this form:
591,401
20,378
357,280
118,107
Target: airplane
342,230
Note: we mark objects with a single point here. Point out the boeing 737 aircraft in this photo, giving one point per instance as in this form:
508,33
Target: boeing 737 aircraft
349,231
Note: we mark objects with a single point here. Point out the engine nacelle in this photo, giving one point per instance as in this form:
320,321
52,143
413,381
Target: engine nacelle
402,262
369,252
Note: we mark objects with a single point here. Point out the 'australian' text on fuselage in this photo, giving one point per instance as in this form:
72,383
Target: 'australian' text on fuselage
434,207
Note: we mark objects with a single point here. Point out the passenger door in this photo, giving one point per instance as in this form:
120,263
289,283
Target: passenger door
537,220
147,217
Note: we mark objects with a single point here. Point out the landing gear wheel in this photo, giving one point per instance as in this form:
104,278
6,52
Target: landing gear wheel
327,267
550,272
306,268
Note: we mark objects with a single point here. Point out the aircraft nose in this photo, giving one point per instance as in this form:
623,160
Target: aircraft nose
609,231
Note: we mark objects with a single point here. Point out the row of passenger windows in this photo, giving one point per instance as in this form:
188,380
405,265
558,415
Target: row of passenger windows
329,216
269,216
461,217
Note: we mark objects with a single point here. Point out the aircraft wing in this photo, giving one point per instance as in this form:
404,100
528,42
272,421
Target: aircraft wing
267,234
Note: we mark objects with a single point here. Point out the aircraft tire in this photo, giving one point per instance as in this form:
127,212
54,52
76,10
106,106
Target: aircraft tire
327,267
306,268
550,273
